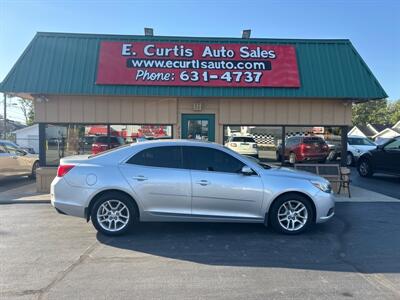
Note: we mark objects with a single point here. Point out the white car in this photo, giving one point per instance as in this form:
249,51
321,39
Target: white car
245,145
356,146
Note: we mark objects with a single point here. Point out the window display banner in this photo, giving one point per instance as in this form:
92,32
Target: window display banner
195,64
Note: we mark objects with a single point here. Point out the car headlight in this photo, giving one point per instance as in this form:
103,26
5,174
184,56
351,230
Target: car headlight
323,186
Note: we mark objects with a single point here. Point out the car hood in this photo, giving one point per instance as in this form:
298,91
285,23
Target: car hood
286,172
363,148
73,159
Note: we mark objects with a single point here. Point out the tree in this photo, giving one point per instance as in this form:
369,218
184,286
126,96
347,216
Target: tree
374,112
26,107
394,111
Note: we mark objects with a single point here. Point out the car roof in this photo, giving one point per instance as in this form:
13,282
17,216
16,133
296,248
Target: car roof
178,142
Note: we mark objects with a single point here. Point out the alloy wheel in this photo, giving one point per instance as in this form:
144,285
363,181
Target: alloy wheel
292,215
364,168
113,215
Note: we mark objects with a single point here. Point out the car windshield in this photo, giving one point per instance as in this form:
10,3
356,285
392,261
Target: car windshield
259,162
360,142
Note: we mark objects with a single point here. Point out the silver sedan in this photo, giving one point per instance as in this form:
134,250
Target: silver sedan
187,181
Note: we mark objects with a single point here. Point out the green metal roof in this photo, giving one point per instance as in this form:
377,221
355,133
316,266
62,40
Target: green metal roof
66,63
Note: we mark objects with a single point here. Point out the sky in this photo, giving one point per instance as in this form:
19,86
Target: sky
371,25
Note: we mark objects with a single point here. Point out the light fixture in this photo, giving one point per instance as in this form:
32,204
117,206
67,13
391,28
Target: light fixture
148,31
41,98
246,34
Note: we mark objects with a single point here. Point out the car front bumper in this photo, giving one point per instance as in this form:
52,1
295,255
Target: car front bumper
325,206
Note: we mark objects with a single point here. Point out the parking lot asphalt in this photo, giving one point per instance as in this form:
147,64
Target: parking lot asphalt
45,255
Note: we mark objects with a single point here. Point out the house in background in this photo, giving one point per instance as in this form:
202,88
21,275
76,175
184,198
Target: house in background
376,132
28,137
387,133
11,126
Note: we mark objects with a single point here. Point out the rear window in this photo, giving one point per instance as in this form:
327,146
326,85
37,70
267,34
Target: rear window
313,140
102,139
243,139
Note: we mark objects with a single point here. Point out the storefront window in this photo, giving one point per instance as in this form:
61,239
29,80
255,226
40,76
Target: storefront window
127,134
259,141
63,140
72,139
313,144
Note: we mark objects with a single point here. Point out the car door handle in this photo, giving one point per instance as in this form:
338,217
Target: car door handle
140,178
203,182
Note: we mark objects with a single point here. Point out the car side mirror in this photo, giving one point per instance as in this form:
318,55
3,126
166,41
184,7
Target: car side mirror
21,152
247,171
379,147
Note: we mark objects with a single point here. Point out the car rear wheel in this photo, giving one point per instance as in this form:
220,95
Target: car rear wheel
364,168
349,159
34,169
113,214
291,214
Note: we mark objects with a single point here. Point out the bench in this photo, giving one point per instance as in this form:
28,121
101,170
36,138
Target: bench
338,176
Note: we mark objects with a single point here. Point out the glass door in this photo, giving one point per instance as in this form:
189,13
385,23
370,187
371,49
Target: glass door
198,126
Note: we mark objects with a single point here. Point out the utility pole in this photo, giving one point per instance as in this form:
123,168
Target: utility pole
5,115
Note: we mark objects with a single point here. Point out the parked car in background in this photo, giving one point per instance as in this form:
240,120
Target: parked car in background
245,145
188,181
356,146
15,161
103,143
304,148
384,158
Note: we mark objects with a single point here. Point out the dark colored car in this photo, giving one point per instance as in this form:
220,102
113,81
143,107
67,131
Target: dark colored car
103,143
304,148
384,159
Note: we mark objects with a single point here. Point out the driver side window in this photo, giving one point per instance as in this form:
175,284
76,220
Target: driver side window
395,145
208,159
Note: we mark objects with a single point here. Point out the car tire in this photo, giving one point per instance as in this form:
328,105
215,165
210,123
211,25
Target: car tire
292,158
34,169
349,159
113,214
304,214
332,155
364,168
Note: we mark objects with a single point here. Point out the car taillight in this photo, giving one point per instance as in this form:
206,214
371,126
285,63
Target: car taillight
63,169
233,145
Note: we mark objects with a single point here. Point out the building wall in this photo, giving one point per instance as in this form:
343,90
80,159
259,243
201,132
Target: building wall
157,110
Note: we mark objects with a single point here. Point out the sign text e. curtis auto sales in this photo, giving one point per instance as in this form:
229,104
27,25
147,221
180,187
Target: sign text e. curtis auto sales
195,64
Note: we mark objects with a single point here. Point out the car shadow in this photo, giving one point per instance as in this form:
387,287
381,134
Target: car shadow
363,237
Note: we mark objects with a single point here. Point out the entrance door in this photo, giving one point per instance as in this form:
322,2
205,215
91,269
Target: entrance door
198,126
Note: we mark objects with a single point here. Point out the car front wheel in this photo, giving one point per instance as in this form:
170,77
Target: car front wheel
113,214
291,214
364,168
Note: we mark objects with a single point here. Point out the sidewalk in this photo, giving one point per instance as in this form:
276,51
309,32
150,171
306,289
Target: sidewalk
359,194
24,194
